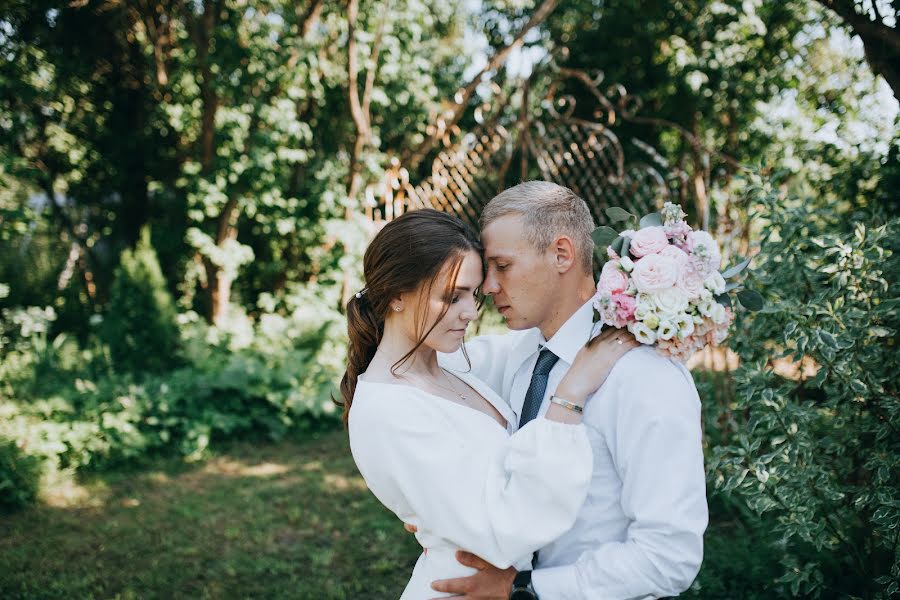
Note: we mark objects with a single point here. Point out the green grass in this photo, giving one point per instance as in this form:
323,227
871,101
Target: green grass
288,520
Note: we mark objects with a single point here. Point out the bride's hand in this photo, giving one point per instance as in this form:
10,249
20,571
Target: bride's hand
593,364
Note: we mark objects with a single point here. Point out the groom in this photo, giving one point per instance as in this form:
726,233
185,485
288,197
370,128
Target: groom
639,534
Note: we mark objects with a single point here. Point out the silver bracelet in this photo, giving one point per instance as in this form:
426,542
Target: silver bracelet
566,404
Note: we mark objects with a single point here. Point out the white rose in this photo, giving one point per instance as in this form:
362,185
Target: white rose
705,294
715,283
627,264
642,333
671,301
666,330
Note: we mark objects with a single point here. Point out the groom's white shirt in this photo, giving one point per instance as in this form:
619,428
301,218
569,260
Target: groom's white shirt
640,532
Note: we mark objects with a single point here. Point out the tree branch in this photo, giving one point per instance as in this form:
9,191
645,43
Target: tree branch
310,17
862,25
359,108
412,159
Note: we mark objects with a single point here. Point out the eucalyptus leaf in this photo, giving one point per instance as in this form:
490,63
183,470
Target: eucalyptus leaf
626,245
604,236
617,245
724,300
751,300
735,269
652,220
616,213
732,286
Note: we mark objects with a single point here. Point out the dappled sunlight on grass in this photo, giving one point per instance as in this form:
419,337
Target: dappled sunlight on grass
226,466
62,489
341,483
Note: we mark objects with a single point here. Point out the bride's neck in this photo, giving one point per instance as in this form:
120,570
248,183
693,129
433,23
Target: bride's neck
395,345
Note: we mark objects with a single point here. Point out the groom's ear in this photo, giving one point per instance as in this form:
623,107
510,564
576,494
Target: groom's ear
563,249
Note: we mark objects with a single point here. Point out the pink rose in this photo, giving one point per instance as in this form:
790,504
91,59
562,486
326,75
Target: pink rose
612,279
654,272
649,240
678,255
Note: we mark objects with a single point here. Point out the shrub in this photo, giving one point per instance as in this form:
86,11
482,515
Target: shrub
140,325
264,379
813,444
19,477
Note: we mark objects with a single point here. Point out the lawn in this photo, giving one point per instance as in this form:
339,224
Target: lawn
287,520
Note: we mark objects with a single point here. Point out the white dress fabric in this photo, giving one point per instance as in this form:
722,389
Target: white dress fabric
463,480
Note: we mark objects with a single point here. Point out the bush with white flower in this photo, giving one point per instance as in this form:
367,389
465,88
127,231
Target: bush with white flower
662,282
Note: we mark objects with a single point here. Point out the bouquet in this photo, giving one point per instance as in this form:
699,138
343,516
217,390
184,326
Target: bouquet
663,283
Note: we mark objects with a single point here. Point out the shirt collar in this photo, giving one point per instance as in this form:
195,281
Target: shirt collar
573,334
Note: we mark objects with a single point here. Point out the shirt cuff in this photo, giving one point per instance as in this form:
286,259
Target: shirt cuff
556,583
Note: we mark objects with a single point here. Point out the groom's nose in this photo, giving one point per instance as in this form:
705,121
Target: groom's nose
490,286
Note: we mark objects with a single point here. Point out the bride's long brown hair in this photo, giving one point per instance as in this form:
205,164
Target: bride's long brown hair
408,252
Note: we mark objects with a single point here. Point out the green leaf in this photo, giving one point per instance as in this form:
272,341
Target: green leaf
604,236
651,220
616,214
735,269
617,245
724,300
751,300
827,339
626,245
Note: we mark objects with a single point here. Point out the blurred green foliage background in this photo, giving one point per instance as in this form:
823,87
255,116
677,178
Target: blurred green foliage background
182,216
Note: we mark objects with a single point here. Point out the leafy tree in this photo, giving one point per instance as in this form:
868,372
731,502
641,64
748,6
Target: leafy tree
227,122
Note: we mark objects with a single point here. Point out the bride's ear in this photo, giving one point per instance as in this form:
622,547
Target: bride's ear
397,304
564,253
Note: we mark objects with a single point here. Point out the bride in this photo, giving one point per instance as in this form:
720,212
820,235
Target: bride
435,445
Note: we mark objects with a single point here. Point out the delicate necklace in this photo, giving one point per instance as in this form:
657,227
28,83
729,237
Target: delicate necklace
450,389
462,396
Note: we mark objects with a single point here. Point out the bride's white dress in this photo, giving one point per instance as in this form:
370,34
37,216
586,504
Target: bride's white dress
463,480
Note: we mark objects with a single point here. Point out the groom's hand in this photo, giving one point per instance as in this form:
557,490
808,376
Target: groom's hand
489,583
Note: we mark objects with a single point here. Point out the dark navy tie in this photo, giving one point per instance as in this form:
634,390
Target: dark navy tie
535,394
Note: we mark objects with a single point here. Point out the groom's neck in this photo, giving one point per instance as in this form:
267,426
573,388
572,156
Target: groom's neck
566,304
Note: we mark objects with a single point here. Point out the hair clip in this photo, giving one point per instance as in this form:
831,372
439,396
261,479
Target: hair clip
360,293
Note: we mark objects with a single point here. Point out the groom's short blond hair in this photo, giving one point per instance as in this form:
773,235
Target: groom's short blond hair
548,210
